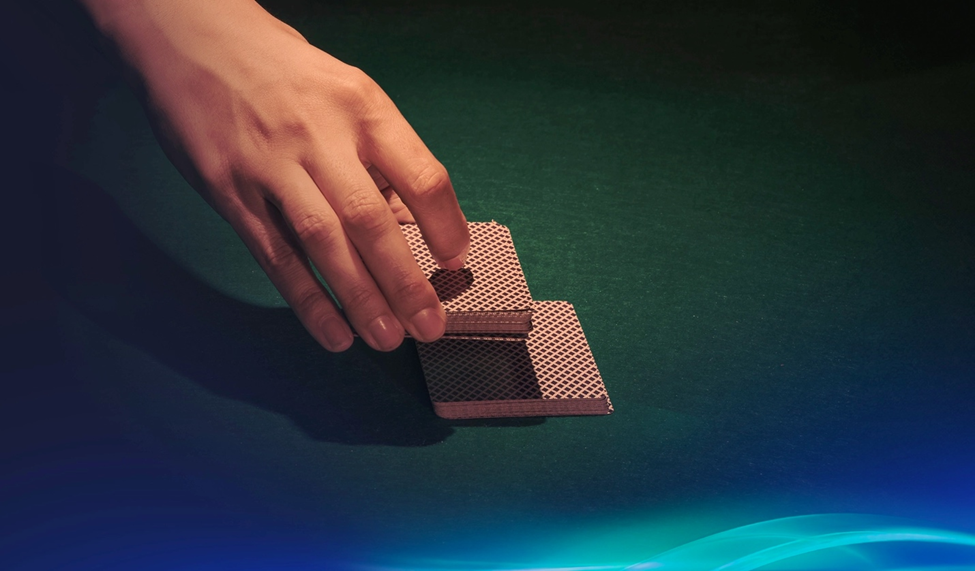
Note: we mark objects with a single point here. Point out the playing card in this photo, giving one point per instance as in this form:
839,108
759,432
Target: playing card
550,373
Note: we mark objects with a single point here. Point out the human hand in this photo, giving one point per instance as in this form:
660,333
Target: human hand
293,148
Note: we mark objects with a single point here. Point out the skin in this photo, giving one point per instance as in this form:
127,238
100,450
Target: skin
305,156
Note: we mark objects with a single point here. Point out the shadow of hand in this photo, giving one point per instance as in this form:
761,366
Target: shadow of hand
111,273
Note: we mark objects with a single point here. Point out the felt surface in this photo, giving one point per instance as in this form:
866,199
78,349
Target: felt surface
763,217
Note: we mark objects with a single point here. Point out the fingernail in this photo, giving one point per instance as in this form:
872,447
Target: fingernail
386,333
337,334
429,325
458,262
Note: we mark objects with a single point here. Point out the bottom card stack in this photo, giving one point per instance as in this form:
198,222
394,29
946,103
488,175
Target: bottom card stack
549,373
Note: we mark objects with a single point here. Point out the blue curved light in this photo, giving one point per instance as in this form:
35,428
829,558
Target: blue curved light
830,540
758,545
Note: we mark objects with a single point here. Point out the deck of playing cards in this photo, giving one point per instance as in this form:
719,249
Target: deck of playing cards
504,355
551,373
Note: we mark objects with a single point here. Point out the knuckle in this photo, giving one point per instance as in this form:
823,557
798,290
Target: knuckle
314,228
289,30
355,297
304,301
358,89
277,258
431,183
215,172
357,79
365,212
292,129
225,180
411,291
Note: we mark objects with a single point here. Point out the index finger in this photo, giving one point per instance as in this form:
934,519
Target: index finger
424,185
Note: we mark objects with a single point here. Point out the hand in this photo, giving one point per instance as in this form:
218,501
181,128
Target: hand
293,148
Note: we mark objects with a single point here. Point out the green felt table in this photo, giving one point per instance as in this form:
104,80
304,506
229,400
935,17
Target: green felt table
766,233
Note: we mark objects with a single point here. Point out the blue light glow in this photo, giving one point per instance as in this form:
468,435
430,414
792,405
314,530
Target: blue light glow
758,545
838,540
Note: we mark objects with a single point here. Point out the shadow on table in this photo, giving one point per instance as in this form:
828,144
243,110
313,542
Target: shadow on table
115,276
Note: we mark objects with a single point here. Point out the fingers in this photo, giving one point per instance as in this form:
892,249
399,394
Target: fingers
344,225
396,205
269,240
422,183
378,178
320,235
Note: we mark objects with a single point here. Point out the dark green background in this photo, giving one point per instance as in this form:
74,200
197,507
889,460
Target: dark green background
762,214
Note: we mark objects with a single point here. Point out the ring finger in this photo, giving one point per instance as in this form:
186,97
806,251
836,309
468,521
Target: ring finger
323,239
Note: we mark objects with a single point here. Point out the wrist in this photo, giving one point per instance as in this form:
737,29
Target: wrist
141,31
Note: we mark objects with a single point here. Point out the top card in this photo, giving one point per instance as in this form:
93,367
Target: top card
489,295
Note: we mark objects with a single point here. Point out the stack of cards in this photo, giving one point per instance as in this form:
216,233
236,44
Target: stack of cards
504,355
489,295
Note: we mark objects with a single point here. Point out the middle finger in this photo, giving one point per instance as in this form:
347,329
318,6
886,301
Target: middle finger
370,225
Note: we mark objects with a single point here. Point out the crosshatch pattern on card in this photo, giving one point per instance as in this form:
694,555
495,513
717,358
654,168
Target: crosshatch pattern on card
550,373
490,293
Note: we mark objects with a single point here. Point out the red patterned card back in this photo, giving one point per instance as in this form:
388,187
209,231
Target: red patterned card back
489,294
551,373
